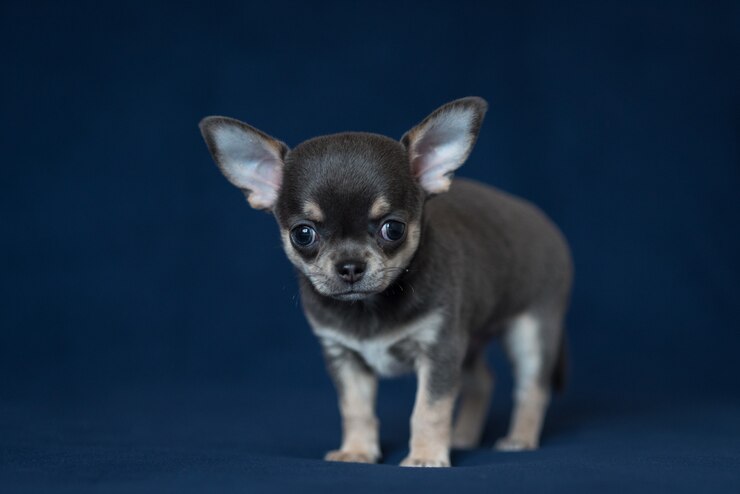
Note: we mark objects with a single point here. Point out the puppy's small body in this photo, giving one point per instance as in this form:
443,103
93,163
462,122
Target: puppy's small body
402,269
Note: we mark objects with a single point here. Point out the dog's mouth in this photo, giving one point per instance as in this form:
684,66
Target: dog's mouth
352,295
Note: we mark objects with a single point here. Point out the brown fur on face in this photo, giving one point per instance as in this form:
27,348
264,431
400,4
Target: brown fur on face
380,208
313,212
382,268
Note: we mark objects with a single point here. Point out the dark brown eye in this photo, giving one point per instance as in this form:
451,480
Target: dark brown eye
392,231
303,235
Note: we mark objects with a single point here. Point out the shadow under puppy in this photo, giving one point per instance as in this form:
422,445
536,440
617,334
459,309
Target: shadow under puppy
403,269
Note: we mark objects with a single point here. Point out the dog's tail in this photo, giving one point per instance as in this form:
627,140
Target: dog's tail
560,371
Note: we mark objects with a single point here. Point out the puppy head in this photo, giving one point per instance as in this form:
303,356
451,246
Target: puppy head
349,205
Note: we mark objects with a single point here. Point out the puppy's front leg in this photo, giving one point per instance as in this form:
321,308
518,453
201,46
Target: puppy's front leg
431,420
357,387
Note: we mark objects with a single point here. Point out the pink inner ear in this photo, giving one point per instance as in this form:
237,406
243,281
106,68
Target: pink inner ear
435,160
251,163
266,179
439,146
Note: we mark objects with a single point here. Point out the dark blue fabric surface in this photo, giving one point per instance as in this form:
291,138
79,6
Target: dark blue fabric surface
255,438
150,335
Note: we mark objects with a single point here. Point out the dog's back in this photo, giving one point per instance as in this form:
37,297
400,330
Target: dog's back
521,260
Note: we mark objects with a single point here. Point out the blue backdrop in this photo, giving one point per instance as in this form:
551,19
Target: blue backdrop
150,334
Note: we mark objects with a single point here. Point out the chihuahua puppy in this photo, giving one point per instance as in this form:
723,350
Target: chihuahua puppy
403,269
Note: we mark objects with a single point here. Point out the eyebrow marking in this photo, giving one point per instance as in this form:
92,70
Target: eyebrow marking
313,212
379,208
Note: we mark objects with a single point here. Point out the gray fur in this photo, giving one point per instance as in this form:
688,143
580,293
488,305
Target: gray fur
484,257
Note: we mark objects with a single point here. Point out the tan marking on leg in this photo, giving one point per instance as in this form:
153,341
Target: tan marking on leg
524,345
360,441
431,423
313,212
475,398
380,208
527,419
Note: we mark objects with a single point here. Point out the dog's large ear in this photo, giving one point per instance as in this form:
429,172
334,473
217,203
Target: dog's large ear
249,158
441,143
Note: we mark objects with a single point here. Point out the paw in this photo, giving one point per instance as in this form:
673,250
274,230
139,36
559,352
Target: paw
515,444
411,461
351,456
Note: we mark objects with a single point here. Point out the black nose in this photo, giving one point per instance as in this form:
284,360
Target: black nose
351,271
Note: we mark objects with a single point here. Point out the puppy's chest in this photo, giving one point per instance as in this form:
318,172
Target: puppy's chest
389,354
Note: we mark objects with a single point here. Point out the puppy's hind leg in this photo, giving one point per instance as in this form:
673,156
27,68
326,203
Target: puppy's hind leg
531,342
475,396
